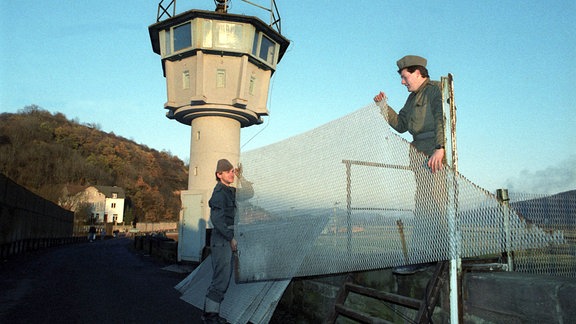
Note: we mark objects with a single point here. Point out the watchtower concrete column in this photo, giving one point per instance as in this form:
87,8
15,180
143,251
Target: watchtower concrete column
212,138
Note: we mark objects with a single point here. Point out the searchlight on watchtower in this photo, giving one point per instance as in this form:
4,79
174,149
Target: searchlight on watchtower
217,67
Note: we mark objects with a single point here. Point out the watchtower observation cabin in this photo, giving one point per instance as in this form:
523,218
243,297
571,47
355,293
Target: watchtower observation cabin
217,64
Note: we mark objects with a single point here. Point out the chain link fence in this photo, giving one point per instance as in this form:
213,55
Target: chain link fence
352,195
555,216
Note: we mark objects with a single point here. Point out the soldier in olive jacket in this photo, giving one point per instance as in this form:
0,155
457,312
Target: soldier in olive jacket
423,117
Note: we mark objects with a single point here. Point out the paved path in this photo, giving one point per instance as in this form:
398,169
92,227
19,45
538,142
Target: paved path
101,282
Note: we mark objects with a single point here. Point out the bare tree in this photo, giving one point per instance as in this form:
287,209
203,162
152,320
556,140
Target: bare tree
84,213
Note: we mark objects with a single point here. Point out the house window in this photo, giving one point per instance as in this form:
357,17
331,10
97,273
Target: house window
114,195
113,205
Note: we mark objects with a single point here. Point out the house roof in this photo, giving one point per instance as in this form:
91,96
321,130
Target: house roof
108,191
72,190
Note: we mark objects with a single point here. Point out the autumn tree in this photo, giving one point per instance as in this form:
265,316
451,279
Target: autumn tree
45,152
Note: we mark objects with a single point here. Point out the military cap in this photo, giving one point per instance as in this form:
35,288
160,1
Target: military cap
224,165
410,60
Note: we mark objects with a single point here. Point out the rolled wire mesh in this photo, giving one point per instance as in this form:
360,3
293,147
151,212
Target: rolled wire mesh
352,195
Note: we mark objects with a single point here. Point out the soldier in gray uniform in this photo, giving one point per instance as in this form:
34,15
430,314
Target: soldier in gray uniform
222,242
423,117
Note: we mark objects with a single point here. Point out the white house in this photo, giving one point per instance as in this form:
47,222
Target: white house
107,202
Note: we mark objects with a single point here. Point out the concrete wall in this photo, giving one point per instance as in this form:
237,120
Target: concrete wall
495,297
29,221
140,227
510,297
156,227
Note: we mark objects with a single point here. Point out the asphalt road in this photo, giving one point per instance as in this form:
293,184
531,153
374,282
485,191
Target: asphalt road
101,282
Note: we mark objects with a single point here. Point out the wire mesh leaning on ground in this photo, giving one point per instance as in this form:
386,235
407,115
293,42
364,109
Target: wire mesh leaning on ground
352,195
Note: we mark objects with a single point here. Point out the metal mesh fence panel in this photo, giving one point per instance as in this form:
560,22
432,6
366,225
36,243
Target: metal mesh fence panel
554,215
352,195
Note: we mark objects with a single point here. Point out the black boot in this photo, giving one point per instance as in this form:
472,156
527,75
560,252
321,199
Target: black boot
213,318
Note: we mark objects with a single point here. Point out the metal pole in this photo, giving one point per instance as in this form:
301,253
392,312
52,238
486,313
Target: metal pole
349,206
452,188
403,240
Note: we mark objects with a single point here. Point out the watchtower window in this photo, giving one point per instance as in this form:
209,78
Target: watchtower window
264,48
267,49
182,36
228,35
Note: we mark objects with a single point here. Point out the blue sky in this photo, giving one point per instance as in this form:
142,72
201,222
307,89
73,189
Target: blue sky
513,64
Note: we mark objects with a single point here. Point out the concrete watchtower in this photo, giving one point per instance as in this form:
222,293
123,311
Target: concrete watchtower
217,68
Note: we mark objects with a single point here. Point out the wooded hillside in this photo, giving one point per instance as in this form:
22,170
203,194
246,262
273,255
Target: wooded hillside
44,152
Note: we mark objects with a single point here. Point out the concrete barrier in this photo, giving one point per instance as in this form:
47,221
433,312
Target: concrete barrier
29,222
488,297
159,246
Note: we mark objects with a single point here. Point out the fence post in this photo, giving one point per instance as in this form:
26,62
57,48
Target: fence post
455,279
504,199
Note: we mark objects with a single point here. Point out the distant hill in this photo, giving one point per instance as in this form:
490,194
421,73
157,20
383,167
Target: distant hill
46,152
554,210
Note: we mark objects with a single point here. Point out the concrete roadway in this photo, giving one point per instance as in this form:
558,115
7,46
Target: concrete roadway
101,282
